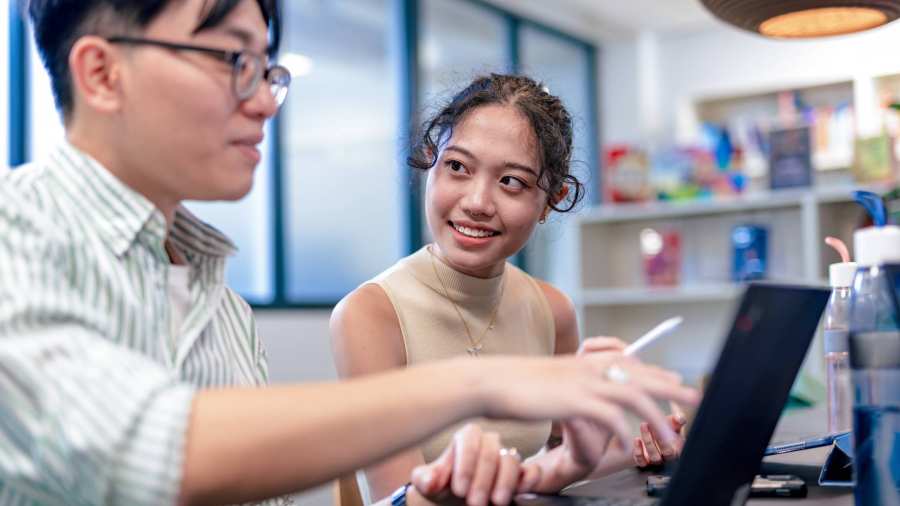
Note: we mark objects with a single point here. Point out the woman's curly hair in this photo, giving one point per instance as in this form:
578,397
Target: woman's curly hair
549,119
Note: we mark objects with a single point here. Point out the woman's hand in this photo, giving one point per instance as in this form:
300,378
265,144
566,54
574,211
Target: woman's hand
586,443
474,469
648,450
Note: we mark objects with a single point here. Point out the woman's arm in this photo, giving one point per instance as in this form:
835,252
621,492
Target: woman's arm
565,325
366,338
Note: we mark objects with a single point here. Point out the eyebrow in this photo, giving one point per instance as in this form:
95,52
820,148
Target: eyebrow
510,165
242,35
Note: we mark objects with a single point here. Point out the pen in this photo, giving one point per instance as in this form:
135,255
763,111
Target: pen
657,332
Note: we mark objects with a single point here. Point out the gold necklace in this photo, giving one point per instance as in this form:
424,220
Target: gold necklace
476,346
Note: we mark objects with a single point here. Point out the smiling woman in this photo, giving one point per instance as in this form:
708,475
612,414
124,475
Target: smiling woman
497,159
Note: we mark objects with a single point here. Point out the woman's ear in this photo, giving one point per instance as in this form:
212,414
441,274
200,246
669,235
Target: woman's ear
556,200
561,195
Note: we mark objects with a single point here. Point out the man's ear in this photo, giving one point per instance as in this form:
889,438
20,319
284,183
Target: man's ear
96,74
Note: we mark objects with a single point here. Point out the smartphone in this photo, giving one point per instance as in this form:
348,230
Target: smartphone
768,485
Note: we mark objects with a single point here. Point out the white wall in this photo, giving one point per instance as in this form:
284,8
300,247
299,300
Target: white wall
299,350
724,61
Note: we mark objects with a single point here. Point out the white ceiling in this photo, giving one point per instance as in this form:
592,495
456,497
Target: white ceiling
637,15
611,19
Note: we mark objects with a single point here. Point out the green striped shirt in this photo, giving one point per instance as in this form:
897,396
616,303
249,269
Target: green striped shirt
95,392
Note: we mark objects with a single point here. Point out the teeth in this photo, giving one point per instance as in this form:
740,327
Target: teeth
471,232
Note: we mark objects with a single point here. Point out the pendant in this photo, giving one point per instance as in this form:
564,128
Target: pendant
474,350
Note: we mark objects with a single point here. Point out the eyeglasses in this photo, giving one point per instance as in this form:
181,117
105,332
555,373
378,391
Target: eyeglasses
247,67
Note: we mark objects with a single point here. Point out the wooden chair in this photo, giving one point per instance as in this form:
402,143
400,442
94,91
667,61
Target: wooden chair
346,491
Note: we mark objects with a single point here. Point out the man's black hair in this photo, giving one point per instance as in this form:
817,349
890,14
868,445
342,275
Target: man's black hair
58,24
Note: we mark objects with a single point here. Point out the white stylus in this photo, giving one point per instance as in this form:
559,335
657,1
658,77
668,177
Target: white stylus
657,332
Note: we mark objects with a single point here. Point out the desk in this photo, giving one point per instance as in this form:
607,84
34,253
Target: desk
806,464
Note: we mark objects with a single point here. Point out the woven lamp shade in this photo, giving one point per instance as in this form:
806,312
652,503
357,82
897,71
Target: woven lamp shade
804,18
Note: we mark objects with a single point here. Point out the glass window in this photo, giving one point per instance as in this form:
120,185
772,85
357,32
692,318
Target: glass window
564,67
45,123
250,272
458,41
340,152
5,47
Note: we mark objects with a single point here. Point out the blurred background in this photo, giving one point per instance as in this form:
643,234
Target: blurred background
712,155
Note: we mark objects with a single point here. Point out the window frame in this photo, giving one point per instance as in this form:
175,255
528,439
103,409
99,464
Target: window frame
407,13
19,86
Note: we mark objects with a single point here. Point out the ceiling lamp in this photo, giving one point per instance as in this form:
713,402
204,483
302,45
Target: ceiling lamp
790,19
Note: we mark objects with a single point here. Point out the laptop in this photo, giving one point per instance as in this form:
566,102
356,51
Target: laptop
749,387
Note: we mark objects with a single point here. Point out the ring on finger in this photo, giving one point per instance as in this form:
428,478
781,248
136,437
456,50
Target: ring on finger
616,374
511,452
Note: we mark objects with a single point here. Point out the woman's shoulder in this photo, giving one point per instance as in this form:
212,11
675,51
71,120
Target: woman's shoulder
556,298
366,335
561,309
368,304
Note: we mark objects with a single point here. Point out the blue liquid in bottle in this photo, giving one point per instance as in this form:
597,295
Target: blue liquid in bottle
875,363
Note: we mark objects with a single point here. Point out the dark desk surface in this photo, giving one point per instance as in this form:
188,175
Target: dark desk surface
806,464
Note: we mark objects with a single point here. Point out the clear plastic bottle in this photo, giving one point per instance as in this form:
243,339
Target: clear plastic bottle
837,357
875,363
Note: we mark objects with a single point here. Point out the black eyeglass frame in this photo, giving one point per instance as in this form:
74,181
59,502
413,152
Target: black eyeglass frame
233,58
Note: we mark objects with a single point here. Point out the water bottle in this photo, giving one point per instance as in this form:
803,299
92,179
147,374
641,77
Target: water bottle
837,356
875,364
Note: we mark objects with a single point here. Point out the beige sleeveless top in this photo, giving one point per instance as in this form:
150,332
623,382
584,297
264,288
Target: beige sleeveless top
432,329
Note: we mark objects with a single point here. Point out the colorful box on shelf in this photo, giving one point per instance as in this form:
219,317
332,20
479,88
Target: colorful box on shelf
750,245
661,252
790,158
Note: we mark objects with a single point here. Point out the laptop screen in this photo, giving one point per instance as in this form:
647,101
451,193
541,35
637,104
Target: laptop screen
767,343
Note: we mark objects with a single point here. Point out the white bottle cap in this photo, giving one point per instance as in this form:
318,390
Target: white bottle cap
877,245
841,274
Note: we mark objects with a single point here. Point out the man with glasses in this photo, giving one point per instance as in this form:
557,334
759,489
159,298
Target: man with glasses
129,373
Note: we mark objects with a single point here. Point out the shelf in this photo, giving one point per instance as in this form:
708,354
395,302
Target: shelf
660,295
645,211
757,201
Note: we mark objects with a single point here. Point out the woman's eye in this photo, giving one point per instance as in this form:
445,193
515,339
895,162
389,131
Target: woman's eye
513,183
455,166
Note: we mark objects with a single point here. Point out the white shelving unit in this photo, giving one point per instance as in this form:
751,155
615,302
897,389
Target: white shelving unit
614,299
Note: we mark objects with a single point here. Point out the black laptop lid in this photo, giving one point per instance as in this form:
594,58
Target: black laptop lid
746,394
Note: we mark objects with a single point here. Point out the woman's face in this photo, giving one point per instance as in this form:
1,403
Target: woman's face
482,200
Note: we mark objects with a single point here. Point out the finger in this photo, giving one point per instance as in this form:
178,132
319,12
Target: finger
636,400
653,453
678,417
486,470
654,372
594,344
507,478
611,416
669,450
434,478
660,385
530,477
640,459
467,443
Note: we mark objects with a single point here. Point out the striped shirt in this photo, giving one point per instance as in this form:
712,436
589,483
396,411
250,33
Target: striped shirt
95,391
